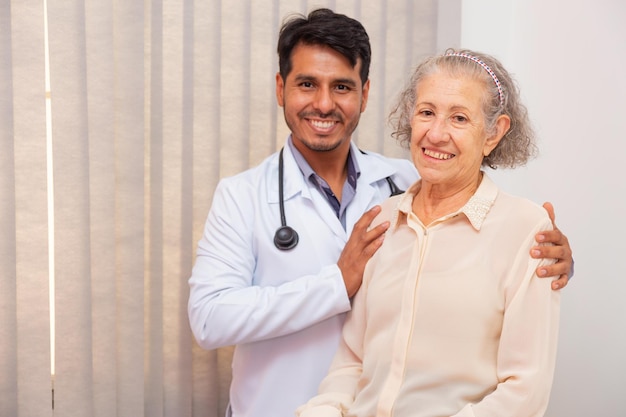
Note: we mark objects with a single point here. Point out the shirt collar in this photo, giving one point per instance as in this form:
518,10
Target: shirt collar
476,208
354,171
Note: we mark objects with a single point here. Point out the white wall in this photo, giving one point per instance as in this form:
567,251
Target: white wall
570,61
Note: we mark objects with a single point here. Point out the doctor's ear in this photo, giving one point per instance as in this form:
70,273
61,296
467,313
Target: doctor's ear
280,89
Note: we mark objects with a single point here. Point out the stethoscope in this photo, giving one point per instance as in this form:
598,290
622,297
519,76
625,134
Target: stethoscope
286,237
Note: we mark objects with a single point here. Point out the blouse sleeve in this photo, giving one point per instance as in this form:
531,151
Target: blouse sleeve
528,343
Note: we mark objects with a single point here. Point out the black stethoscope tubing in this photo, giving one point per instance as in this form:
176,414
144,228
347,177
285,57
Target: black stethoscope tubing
286,237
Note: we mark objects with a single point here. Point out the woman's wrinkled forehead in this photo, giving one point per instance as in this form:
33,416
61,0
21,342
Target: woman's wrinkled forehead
455,70
476,60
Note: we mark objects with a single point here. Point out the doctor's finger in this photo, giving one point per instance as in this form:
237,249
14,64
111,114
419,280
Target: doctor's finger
366,219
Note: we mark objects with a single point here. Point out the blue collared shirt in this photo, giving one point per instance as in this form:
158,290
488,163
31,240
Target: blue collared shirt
349,187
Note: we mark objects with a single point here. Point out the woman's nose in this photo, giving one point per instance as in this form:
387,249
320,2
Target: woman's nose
438,130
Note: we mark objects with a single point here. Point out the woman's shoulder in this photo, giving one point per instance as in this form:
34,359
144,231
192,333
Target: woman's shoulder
389,210
521,210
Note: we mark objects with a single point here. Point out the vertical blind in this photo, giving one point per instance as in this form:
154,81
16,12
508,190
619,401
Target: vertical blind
151,104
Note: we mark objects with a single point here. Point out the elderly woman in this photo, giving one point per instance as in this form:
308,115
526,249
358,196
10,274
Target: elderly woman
450,319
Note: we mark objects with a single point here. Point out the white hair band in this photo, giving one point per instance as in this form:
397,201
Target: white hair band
486,68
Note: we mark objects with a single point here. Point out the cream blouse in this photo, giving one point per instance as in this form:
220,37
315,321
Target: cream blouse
451,319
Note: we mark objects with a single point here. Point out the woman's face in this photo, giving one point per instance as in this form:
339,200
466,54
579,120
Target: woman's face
449,140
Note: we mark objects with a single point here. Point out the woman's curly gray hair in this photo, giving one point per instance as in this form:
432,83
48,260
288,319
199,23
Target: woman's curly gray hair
516,148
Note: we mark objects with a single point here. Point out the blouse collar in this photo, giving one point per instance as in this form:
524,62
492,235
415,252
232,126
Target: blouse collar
476,208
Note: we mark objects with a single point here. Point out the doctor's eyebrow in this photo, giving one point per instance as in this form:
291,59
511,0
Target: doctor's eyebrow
314,80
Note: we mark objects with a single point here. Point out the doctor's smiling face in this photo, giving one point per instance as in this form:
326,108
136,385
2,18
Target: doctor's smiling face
322,98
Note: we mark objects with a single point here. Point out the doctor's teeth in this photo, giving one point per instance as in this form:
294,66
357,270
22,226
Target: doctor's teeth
438,155
322,124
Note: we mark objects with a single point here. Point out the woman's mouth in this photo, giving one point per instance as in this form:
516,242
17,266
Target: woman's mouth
438,155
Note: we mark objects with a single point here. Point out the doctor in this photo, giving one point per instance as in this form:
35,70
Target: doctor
282,297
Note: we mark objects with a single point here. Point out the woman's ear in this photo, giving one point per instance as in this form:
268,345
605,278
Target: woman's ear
503,124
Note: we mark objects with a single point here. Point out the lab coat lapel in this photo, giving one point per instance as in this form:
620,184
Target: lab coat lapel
370,185
296,184
373,172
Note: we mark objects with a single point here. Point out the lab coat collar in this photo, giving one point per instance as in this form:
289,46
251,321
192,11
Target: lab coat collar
373,169
293,179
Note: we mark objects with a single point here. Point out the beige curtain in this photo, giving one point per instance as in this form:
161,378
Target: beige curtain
151,103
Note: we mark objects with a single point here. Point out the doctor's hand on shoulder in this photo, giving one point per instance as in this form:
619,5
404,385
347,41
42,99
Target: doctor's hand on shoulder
560,250
359,248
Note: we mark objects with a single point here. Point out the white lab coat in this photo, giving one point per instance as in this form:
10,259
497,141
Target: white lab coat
283,309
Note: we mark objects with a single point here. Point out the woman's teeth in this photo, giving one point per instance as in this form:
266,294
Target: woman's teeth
438,155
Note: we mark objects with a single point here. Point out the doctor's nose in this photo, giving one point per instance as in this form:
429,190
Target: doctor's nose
324,101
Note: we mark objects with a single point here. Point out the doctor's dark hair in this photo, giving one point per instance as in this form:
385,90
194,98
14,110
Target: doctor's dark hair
325,28
517,146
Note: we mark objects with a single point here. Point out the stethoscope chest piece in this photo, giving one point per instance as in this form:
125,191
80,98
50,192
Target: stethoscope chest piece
285,238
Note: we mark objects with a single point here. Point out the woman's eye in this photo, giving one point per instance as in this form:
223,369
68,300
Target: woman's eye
460,119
